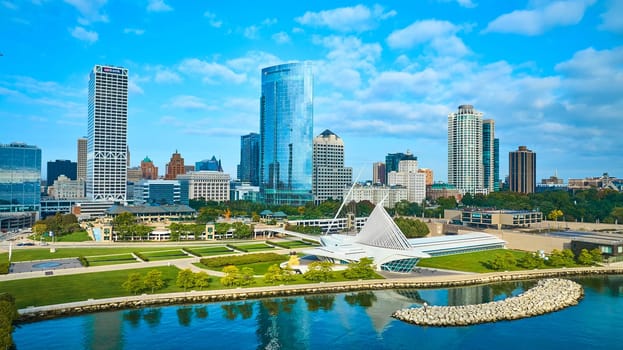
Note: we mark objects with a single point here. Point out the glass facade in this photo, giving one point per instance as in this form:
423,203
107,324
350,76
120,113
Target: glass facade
20,178
488,153
61,167
286,134
248,170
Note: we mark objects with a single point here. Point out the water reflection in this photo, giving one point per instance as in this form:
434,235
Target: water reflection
184,315
231,311
319,302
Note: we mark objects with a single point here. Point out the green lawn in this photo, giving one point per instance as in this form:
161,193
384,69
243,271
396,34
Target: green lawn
27,254
208,251
64,289
469,262
111,259
165,255
262,267
254,247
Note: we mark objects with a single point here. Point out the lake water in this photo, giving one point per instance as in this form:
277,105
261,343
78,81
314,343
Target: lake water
358,320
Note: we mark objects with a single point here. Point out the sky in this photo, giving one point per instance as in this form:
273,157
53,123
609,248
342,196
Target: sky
386,75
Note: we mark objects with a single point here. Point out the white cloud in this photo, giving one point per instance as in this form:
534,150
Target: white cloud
135,31
133,87
211,72
167,76
441,35
158,6
84,35
613,17
90,10
212,19
9,5
281,37
466,3
251,32
188,102
358,18
540,19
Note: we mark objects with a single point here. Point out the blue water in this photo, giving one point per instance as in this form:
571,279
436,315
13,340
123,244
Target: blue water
97,234
358,320
46,265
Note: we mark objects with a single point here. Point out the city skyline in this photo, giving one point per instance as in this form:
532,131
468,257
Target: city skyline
386,76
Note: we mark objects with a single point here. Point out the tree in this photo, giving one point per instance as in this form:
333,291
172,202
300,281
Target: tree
40,228
153,280
597,256
242,231
134,284
202,280
360,270
585,258
530,261
555,214
504,261
246,276
319,271
185,279
232,276
412,228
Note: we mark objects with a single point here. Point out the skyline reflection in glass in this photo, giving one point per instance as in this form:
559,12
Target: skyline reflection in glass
286,134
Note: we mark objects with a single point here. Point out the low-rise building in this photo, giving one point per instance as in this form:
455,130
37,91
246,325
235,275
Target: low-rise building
377,193
496,219
206,184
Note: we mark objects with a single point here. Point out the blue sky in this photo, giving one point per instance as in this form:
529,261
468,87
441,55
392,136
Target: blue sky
386,75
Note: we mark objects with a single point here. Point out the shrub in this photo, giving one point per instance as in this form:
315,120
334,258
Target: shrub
83,261
4,268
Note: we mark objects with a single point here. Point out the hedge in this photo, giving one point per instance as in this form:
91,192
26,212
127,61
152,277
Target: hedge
83,261
222,261
4,268
141,256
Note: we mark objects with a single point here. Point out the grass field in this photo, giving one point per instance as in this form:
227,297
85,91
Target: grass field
262,267
165,255
208,251
27,254
64,289
111,259
254,247
469,262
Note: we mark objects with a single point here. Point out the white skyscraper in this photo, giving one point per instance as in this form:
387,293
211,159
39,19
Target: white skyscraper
329,177
107,133
465,160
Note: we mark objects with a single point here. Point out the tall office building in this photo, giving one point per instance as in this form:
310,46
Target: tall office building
209,165
81,171
286,134
330,177
393,159
496,164
20,178
107,146
465,163
61,167
249,167
175,166
379,175
522,170
488,154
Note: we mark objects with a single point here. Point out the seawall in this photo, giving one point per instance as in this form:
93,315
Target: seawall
35,313
547,296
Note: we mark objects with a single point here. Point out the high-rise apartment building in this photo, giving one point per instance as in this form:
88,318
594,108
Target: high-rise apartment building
465,163
107,146
379,176
81,170
175,166
148,170
20,178
61,167
286,134
330,177
522,170
409,177
249,167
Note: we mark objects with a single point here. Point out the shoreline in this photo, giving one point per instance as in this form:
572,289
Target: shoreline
39,313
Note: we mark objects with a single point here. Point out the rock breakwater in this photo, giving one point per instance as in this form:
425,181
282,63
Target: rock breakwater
547,296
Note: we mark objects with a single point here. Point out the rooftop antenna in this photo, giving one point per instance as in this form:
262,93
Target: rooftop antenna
344,201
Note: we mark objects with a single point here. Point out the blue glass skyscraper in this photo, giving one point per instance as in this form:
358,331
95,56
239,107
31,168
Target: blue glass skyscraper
286,134
248,169
20,178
